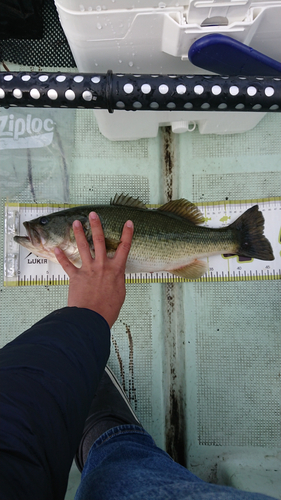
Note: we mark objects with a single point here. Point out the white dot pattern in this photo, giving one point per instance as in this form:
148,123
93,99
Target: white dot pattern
52,94
251,91
163,89
69,95
145,88
269,91
128,88
34,93
216,89
198,89
87,95
181,89
234,90
17,93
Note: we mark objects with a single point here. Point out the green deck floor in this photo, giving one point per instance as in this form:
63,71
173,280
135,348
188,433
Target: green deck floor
200,362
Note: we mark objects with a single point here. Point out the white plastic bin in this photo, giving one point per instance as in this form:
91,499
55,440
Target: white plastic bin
154,37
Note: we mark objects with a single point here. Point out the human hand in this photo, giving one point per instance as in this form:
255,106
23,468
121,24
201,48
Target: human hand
99,284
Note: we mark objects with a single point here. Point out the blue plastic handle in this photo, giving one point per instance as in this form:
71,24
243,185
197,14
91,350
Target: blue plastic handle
225,56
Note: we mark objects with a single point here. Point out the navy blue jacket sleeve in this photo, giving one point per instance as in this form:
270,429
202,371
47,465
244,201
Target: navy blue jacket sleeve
49,375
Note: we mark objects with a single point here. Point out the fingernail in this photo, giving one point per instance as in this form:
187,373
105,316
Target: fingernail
57,251
93,215
129,223
76,223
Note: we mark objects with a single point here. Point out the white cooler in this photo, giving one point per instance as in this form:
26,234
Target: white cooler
146,37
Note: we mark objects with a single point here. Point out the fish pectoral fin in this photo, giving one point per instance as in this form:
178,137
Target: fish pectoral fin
76,260
127,200
111,244
192,271
185,209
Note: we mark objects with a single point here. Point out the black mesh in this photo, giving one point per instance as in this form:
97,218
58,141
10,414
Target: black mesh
51,50
21,19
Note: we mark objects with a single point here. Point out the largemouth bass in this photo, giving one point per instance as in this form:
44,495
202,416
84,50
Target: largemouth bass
169,238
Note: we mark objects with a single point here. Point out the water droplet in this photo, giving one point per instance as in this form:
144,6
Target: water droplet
161,5
120,60
99,26
82,8
98,7
131,63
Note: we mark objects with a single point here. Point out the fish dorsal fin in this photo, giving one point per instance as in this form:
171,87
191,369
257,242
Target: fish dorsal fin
183,208
127,200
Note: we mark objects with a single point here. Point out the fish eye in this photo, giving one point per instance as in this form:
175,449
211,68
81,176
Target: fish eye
43,221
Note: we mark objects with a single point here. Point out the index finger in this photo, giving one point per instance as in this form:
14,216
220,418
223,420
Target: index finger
124,246
82,243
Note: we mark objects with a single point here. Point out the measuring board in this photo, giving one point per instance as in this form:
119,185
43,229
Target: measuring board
24,269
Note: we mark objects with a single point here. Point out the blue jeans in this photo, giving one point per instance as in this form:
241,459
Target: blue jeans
124,463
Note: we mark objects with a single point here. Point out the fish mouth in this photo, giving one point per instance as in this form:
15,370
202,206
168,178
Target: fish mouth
32,235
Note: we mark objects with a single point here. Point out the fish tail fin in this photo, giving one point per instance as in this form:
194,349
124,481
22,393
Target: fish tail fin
253,243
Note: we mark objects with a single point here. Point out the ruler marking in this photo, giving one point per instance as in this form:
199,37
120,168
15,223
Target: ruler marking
219,209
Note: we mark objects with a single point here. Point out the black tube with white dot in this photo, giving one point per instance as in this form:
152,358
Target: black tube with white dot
140,92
